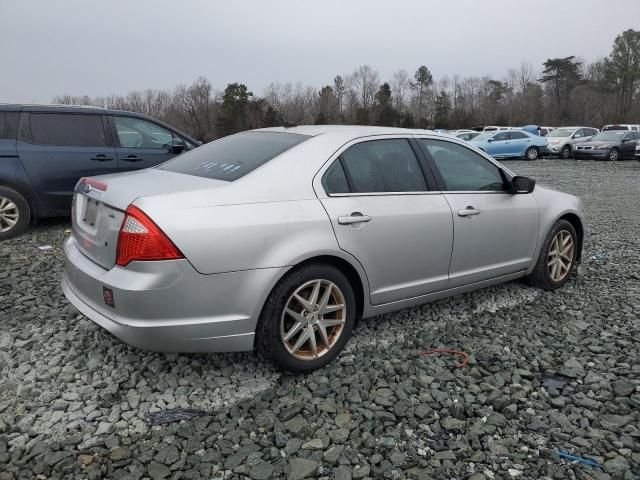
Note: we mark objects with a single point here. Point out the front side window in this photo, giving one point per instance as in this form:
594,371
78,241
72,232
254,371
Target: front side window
501,136
462,169
137,133
383,166
67,130
232,157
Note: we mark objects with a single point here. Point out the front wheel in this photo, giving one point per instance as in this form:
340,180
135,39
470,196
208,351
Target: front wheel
307,319
557,257
531,153
565,153
614,155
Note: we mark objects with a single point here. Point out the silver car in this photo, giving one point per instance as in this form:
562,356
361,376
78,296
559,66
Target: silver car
562,141
280,239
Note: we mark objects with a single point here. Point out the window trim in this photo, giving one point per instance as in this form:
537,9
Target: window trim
425,169
504,173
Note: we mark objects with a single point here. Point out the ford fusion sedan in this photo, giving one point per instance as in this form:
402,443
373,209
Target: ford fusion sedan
511,144
563,140
280,239
611,145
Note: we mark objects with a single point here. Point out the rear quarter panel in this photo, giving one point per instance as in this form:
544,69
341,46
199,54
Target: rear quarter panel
227,238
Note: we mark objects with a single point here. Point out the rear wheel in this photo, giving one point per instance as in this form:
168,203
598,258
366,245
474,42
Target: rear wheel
14,213
557,257
531,153
307,319
565,153
614,155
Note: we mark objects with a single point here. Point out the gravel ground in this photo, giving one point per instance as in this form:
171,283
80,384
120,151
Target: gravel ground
547,371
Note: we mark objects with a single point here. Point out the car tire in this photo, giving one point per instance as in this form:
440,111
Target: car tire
565,153
531,153
553,267
614,154
285,321
15,213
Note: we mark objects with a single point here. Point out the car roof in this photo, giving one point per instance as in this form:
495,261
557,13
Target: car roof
353,130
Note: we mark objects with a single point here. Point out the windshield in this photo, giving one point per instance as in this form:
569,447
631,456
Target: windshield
232,157
614,127
483,136
611,135
561,132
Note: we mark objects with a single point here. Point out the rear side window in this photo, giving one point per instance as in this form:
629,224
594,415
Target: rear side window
9,125
67,130
232,157
335,180
383,166
517,135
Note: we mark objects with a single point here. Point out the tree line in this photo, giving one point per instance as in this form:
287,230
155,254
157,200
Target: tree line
566,91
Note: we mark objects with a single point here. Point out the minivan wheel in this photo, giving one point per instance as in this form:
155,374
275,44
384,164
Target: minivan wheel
557,257
614,155
14,213
531,153
565,153
307,319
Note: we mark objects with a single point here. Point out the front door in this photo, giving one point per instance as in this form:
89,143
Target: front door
500,145
140,143
57,149
384,215
628,144
495,232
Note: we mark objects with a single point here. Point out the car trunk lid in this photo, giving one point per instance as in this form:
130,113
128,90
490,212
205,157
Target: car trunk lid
99,204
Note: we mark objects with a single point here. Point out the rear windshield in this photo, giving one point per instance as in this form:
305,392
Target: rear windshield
232,157
614,127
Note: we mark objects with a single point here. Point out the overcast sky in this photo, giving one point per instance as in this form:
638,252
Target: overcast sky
79,47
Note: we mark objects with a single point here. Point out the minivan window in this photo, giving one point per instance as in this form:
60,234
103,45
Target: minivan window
68,130
9,125
383,166
137,133
232,157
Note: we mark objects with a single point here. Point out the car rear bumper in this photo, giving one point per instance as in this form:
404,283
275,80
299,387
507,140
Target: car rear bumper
167,306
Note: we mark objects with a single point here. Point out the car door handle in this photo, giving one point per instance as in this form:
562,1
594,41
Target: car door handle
101,158
132,158
354,218
468,212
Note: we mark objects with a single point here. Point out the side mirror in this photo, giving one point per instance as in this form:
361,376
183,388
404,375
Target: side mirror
520,184
177,146
577,135
490,140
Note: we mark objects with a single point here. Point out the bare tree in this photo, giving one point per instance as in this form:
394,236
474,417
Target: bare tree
400,86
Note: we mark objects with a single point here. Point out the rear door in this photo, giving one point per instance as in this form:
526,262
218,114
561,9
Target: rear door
495,232
384,214
57,149
141,143
518,143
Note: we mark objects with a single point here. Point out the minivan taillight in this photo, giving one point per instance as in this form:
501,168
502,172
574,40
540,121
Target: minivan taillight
141,239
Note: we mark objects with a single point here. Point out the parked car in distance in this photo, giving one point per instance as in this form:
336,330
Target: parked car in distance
511,144
544,131
563,140
493,128
464,134
280,238
637,155
633,128
45,149
610,145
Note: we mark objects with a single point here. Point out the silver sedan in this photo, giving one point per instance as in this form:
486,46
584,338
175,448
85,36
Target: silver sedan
280,239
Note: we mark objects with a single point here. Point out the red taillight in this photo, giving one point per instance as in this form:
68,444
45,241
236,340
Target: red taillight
97,184
141,239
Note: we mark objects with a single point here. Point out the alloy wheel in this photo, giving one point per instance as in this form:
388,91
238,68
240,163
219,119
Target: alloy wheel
566,152
9,214
560,256
313,319
532,154
613,155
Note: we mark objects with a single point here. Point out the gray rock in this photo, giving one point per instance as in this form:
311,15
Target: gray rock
300,468
450,423
261,471
616,465
623,387
158,471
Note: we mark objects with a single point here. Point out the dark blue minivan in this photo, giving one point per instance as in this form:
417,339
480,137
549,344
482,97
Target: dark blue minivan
46,149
